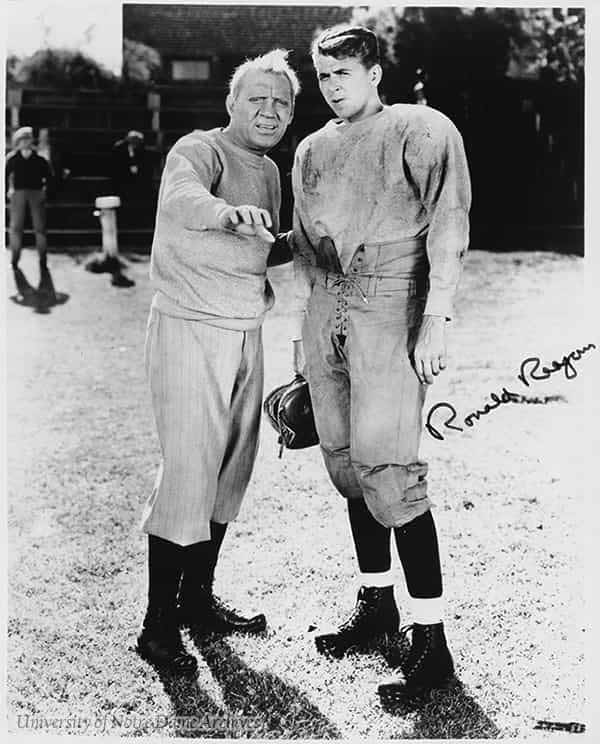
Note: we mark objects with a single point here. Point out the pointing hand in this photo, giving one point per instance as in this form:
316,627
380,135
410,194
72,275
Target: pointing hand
248,220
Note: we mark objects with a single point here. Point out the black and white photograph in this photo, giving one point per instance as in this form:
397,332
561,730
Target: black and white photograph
299,361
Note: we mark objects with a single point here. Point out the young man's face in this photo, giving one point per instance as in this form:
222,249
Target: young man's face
261,110
349,88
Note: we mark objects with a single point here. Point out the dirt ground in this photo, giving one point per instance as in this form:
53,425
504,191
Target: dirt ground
510,505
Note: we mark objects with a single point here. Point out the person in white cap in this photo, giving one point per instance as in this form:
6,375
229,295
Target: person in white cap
27,178
132,168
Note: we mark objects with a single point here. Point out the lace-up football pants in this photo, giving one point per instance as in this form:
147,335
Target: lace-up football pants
359,333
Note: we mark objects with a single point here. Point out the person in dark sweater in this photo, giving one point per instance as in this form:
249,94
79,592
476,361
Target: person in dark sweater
132,167
27,177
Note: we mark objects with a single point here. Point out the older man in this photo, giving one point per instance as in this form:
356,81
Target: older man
218,206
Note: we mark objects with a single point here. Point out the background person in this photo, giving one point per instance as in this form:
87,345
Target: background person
27,178
132,168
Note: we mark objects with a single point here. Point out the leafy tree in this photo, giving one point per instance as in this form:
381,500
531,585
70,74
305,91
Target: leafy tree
141,63
468,48
547,43
12,62
62,68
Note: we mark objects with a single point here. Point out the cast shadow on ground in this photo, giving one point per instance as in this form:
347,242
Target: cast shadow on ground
448,713
274,707
41,299
196,714
256,704
113,265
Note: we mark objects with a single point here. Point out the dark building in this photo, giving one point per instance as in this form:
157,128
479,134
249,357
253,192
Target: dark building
524,137
524,143
200,46
203,43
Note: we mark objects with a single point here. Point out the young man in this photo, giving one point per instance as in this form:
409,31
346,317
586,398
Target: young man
219,202
382,196
27,178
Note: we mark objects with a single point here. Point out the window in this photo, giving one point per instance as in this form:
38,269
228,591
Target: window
190,69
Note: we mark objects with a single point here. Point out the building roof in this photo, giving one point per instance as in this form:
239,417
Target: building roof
192,31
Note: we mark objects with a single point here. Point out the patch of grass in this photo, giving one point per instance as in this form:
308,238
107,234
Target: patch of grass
82,456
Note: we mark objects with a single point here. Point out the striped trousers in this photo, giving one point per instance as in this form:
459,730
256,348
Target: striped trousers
207,385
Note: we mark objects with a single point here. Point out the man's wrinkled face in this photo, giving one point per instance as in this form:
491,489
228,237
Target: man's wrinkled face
347,85
261,110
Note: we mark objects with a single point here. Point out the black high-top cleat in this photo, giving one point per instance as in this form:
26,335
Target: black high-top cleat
428,666
161,645
204,614
374,618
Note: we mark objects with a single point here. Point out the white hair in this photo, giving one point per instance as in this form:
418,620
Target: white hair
274,61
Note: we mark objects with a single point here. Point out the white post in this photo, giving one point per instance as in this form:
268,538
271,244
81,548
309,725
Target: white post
106,210
108,261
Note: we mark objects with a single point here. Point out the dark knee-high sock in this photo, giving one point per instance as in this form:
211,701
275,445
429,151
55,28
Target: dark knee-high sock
165,566
418,549
200,560
217,534
371,539
419,553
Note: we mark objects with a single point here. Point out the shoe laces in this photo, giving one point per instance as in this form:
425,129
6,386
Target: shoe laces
222,607
356,615
361,609
412,664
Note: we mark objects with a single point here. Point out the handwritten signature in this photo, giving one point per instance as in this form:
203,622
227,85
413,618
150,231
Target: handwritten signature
530,370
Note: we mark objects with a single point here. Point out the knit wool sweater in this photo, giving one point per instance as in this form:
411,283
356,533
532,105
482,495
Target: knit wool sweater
199,270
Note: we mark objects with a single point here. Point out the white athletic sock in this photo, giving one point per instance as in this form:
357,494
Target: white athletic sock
379,579
427,611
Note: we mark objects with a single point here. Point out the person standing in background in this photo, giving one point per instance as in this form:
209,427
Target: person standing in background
27,178
132,168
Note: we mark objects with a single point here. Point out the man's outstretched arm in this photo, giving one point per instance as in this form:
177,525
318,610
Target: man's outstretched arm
185,196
